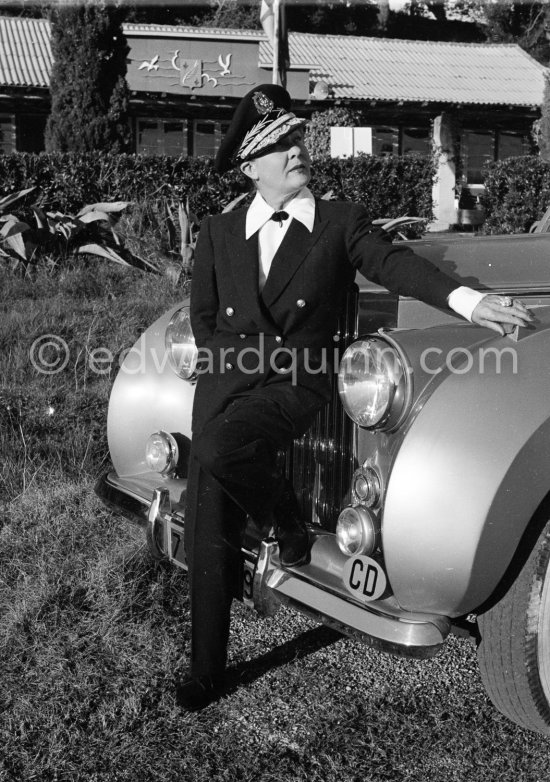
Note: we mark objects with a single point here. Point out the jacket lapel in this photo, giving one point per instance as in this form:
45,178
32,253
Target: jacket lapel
243,255
294,248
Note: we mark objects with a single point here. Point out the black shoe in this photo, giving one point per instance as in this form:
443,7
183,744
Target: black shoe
294,546
290,529
197,692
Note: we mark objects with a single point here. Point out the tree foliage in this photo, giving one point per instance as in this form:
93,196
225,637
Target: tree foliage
541,129
323,16
514,21
233,14
88,85
429,20
360,17
509,21
229,13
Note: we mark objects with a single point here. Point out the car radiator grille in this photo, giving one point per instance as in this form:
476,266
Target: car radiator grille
320,464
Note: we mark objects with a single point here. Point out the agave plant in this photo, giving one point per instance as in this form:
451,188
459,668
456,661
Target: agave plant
91,231
182,226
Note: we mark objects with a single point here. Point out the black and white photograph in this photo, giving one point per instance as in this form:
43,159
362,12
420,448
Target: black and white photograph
274,391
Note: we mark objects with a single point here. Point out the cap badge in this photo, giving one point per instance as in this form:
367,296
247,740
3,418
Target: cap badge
262,103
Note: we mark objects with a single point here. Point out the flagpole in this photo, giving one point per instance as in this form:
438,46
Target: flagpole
275,42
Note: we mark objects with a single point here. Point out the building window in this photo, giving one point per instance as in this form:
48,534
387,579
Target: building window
161,137
511,144
380,141
31,131
348,142
481,147
7,134
478,148
416,140
385,141
207,137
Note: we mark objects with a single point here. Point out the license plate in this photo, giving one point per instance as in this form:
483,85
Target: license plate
249,570
175,543
177,556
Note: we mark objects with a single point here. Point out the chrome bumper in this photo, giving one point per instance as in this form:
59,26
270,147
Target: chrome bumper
316,589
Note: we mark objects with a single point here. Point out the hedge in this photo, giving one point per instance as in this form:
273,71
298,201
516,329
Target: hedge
517,193
388,187
68,181
517,190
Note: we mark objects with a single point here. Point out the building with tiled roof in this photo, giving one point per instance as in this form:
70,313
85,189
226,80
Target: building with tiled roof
391,69
185,82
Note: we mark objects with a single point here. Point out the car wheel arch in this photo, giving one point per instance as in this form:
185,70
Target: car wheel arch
460,493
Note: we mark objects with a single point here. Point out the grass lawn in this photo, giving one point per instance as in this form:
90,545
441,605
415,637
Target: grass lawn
94,635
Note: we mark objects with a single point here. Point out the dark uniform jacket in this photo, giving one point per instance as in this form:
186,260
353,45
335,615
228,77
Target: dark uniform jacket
282,338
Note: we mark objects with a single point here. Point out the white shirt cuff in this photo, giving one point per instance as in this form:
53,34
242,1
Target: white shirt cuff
464,300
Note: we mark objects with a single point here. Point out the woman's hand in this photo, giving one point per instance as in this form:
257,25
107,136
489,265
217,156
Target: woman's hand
501,313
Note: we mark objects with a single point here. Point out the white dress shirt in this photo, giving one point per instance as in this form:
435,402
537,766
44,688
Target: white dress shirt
270,232
462,300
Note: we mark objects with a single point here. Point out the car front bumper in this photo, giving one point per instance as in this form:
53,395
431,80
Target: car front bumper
317,589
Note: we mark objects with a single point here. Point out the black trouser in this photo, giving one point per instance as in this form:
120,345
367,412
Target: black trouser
232,473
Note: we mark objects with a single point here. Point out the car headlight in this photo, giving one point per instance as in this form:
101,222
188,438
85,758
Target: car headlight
180,344
161,453
357,531
374,384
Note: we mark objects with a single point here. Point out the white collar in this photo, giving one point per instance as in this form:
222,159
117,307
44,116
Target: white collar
301,207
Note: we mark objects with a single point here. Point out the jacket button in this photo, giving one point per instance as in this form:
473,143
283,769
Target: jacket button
278,339
229,365
229,311
300,303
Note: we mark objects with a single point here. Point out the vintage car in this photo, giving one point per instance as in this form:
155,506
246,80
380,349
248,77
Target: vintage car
426,481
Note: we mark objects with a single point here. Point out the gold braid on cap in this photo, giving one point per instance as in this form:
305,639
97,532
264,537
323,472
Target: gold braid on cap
256,131
267,132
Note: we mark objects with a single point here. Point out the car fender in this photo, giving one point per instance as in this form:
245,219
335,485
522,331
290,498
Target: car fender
467,478
147,395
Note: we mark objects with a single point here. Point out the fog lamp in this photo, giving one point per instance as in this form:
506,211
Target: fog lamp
365,486
357,531
161,453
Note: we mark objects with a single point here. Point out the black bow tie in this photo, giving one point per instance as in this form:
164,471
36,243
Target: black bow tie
279,217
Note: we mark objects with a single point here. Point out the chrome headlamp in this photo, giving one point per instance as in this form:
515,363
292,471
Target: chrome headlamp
357,531
180,344
161,453
374,384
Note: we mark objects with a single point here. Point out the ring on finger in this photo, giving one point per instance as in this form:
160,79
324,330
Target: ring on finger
506,301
